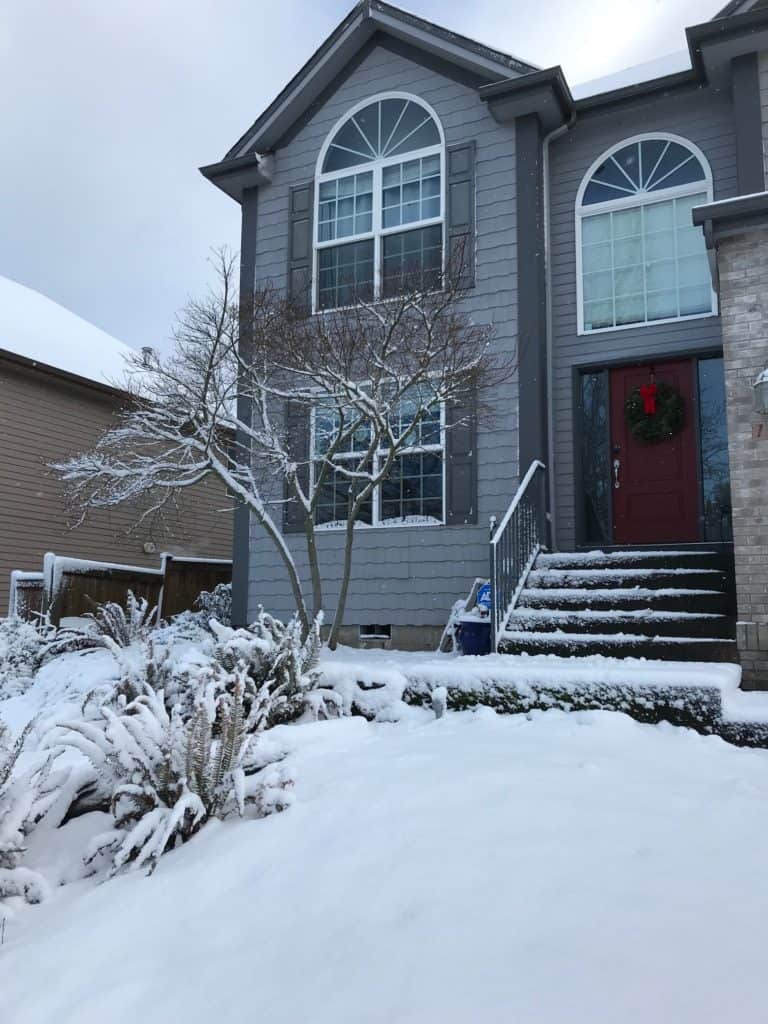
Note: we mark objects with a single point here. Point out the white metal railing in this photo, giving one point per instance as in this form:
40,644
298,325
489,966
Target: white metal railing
515,543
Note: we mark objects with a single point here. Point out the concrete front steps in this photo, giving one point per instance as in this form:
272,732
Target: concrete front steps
661,604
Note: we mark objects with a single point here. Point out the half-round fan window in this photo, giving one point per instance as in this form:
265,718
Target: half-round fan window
383,129
642,259
379,203
646,166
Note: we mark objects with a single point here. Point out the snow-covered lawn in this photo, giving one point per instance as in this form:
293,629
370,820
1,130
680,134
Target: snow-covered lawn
473,869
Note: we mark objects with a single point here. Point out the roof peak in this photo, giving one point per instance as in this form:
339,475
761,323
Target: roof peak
355,31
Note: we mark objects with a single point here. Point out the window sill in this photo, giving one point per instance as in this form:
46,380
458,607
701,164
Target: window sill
339,526
588,331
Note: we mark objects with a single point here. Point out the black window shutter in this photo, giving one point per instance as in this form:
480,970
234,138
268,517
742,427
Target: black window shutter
297,432
461,211
461,462
300,248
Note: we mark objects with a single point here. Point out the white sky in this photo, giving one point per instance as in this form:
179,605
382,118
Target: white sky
108,107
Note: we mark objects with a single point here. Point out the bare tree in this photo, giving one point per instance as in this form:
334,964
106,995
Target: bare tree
372,379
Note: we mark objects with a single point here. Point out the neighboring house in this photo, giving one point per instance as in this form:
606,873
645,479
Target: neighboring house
399,136
60,387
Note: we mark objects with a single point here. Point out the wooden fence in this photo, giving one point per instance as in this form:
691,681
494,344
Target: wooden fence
70,587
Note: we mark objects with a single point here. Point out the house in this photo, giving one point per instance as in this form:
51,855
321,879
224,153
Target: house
62,380
617,235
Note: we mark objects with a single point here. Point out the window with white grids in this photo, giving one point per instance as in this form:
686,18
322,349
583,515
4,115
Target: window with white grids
379,207
413,492
640,258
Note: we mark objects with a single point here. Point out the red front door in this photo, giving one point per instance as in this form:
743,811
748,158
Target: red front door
654,485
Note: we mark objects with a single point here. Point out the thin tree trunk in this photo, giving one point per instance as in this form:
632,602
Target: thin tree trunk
341,604
314,565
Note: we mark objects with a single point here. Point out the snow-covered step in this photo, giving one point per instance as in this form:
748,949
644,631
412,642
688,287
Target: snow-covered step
618,645
642,621
659,558
624,577
661,603
686,599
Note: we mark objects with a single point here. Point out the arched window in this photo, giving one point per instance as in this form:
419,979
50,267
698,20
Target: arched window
641,259
379,202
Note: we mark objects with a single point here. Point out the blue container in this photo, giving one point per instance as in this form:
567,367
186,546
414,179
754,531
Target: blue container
475,636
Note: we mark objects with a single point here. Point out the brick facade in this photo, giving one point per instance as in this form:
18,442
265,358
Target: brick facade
743,269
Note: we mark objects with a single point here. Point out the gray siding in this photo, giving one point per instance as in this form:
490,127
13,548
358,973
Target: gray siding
762,65
706,119
407,575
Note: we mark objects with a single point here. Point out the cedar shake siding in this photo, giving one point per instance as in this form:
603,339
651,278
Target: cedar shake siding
46,416
403,575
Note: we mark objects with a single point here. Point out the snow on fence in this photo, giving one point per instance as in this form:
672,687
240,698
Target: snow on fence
27,598
70,587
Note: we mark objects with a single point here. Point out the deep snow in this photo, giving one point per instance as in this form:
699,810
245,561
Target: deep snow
474,869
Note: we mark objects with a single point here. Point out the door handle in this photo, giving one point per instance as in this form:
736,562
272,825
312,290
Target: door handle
616,468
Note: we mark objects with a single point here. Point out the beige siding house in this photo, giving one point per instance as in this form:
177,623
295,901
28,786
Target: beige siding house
59,389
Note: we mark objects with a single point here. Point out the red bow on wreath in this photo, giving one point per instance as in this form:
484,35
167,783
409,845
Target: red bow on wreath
648,395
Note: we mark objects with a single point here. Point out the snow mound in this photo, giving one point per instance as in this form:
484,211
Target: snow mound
38,328
558,868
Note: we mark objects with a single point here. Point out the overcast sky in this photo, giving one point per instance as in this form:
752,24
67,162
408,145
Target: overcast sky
108,107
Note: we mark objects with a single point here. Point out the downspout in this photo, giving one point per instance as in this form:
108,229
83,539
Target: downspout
556,133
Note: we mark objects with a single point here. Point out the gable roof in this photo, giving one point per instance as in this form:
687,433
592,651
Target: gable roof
740,7
44,333
364,21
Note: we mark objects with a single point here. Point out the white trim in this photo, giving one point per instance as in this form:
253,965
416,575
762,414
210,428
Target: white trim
377,522
638,199
375,167
351,111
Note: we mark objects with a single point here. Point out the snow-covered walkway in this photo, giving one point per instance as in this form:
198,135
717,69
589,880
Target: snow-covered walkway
476,869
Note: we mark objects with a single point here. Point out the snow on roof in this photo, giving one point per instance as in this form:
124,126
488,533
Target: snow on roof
669,64
38,328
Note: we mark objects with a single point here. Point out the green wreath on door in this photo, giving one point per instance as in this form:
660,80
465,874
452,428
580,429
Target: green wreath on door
667,420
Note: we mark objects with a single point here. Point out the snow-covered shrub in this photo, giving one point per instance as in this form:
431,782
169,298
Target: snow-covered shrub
21,650
24,799
216,603
272,657
169,771
124,626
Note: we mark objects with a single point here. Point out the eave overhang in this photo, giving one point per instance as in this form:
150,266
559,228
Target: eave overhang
728,217
715,44
544,93
6,355
233,177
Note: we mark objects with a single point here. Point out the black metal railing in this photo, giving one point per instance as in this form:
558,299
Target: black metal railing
515,543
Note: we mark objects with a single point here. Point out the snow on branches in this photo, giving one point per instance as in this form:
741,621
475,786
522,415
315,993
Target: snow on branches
171,773
218,404
175,742
25,798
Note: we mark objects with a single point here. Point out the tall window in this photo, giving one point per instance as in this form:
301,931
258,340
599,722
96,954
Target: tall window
642,260
379,203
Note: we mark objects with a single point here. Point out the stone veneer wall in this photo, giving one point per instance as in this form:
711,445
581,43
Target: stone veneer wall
743,269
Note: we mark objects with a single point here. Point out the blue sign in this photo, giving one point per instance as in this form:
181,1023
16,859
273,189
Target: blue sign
483,598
